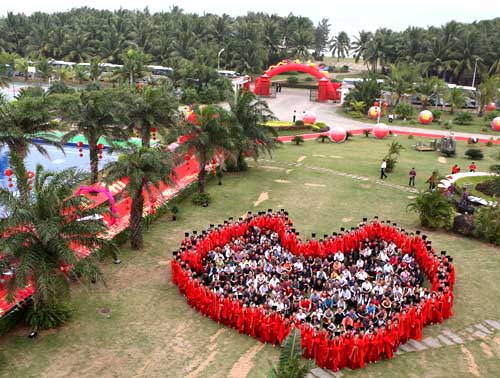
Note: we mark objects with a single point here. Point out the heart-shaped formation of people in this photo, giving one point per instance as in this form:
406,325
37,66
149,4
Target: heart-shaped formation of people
354,296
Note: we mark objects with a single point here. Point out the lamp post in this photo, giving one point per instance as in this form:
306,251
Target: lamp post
474,75
218,58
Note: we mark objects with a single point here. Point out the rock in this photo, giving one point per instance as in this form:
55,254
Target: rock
463,224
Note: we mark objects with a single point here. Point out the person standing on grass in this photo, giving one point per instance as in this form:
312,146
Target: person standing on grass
294,116
455,169
383,167
411,177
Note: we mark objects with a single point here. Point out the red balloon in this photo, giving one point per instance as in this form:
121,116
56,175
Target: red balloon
495,124
8,172
375,103
100,146
381,130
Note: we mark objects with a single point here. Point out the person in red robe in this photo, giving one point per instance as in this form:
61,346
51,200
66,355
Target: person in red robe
419,324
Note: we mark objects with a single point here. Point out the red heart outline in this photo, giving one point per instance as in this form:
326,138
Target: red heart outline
220,309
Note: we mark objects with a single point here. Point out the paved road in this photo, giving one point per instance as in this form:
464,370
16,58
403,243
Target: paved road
298,99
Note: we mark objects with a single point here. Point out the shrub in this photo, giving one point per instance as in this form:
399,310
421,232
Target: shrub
411,136
292,80
298,139
308,79
495,168
489,143
434,210
488,117
448,125
201,199
391,161
404,110
367,132
484,129
345,68
474,154
47,316
412,122
463,118
490,187
436,114
299,122
487,224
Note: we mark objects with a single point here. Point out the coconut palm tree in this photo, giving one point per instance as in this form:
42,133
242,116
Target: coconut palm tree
340,45
22,66
301,41
434,209
400,80
208,132
134,66
95,69
250,133
94,114
360,44
44,69
150,108
488,90
144,167
456,99
80,73
42,232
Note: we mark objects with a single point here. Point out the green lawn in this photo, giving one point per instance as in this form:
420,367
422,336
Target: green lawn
478,126
152,332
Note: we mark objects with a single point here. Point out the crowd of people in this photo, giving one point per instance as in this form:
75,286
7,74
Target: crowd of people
355,296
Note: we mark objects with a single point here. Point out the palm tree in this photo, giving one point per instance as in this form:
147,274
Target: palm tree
95,69
340,45
80,73
153,108
134,66
95,115
434,209
251,113
400,80
44,69
360,44
488,90
208,134
22,66
301,41
144,167
41,233
455,98
290,363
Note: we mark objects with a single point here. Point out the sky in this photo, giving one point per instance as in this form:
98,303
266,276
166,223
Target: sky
344,15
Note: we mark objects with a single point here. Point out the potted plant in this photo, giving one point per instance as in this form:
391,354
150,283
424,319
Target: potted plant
174,210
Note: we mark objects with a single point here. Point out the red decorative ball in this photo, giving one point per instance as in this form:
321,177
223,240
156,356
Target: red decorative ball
8,172
9,179
214,161
10,185
309,118
187,157
80,150
425,117
491,106
338,134
30,188
381,131
81,155
376,103
100,157
80,144
100,146
374,112
30,174
154,138
153,129
495,124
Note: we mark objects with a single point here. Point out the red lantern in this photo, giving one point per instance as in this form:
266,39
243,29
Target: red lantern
80,144
81,155
9,179
10,185
30,182
375,103
187,157
30,188
100,146
386,105
153,129
154,138
30,174
100,156
214,161
8,172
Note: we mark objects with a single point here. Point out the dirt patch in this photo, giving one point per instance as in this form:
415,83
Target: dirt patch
288,171
486,350
365,186
164,262
442,160
336,157
216,334
206,360
345,220
301,158
272,168
471,362
282,181
319,155
412,197
245,363
315,185
264,196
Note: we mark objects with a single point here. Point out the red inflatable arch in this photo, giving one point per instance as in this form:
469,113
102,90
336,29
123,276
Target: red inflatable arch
326,89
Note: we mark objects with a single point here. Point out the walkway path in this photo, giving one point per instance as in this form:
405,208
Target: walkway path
291,99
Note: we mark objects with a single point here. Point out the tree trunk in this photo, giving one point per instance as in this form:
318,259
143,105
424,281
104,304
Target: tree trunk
136,239
146,136
202,175
94,161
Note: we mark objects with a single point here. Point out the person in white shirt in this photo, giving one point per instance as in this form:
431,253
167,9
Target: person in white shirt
339,256
383,167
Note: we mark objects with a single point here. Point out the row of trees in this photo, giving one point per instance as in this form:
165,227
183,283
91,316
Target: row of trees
49,222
